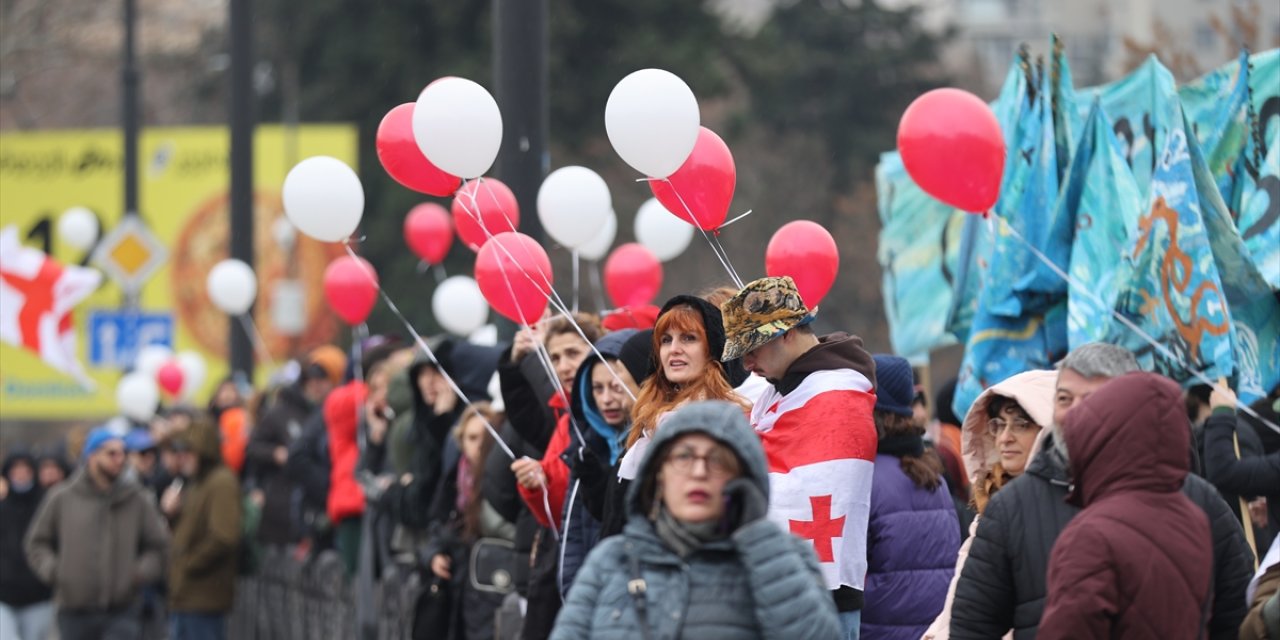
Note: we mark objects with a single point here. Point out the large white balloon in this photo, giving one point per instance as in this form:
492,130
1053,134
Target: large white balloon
458,127
137,396
573,205
78,228
150,358
652,120
232,286
193,373
662,232
599,246
323,198
459,306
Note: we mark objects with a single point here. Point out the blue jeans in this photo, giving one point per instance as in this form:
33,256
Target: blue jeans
31,622
850,621
197,626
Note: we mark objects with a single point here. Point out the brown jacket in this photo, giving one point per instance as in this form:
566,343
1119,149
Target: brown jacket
1254,628
96,548
206,533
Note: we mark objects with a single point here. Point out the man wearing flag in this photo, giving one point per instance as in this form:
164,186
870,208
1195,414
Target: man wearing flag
816,427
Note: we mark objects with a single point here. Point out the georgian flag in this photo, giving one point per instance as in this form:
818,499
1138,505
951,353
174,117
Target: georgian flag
37,294
820,443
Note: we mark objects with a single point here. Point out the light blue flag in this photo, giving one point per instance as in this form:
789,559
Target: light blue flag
1217,104
1256,197
1143,109
1000,347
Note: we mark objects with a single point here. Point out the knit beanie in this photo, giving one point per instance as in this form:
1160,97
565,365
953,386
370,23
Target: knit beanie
895,387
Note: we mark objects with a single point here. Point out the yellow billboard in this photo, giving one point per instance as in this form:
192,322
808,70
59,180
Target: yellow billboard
184,185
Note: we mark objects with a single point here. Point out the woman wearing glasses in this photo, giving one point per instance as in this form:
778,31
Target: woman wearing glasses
698,558
999,436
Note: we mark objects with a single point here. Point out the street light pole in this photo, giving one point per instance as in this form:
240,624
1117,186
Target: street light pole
129,114
241,167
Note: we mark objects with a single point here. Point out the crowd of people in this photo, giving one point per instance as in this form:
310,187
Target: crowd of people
714,470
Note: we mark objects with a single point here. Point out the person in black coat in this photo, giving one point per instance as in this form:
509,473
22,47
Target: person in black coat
1249,474
1003,584
26,603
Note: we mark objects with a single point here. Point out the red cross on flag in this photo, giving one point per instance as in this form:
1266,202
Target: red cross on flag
820,442
37,294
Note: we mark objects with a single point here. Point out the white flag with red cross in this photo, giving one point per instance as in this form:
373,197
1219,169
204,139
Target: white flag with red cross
37,294
820,443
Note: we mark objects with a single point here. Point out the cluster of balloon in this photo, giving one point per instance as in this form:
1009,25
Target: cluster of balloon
514,274
404,161
428,230
806,252
157,368
483,209
459,306
574,204
661,232
952,148
632,275
351,288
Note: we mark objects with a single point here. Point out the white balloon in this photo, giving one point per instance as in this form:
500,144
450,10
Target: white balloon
652,120
232,286
323,198
78,228
573,204
459,306
458,126
660,231
486,336
137,396
284,233
193,373
599,246
150,358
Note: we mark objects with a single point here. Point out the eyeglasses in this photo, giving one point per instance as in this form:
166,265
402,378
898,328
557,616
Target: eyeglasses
718,462
1017,425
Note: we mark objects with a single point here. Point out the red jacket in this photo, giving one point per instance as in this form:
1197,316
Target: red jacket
557,475
341,418
1138,561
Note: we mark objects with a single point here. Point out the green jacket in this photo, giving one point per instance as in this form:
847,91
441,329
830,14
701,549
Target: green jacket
206,534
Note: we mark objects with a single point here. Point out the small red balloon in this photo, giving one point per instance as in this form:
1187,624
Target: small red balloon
351,287
806,252
514,274
170,378
481,205
705,184
632,275
403,160
952,147
428,230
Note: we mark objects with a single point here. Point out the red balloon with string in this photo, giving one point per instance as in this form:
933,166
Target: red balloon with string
351,288
170,378
700,191
514,274
428,231
484,204
952,148
806,252
403,160
632,275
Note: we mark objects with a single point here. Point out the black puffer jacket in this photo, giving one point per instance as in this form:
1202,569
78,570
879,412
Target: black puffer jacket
1003,586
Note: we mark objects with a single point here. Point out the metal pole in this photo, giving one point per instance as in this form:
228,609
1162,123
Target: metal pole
129,108
241,167
520,87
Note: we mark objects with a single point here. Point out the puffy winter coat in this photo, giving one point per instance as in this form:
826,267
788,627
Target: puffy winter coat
343,413
912,538
1137,561
758,583
1003,584
280,427
19,587
1257,475
206,534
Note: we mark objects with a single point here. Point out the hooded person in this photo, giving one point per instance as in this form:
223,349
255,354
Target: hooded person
610,505
698,557
26,606
1137,561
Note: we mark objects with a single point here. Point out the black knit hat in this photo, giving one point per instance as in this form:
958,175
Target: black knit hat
636,355
713,323
895,387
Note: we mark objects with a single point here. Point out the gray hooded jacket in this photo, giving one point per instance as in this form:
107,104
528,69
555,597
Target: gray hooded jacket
758,583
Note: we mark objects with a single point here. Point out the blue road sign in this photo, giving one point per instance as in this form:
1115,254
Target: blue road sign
116,336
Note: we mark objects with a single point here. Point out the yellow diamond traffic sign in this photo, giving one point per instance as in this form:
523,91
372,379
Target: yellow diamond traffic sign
130,254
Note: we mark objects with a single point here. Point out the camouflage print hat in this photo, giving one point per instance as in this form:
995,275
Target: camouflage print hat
762,311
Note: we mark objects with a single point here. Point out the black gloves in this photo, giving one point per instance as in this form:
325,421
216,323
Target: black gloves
747,503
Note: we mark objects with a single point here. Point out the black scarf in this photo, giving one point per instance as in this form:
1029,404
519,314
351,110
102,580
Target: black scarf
902,446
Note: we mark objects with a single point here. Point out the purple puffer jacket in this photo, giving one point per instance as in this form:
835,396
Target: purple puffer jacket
912,539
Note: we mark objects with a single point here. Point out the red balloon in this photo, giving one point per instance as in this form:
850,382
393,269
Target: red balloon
484,204
169,376
952,147
705,183
514,275
632,275
400,156
806,252
351,287
429,232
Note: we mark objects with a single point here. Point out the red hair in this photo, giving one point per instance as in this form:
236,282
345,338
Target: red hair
659,395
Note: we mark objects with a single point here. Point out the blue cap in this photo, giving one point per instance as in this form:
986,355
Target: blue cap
139,440
98,437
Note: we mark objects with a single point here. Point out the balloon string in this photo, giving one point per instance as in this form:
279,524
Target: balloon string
441,274
575,280
247,325
593,274
734,220
422,344
358,333
722,257
1095,298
